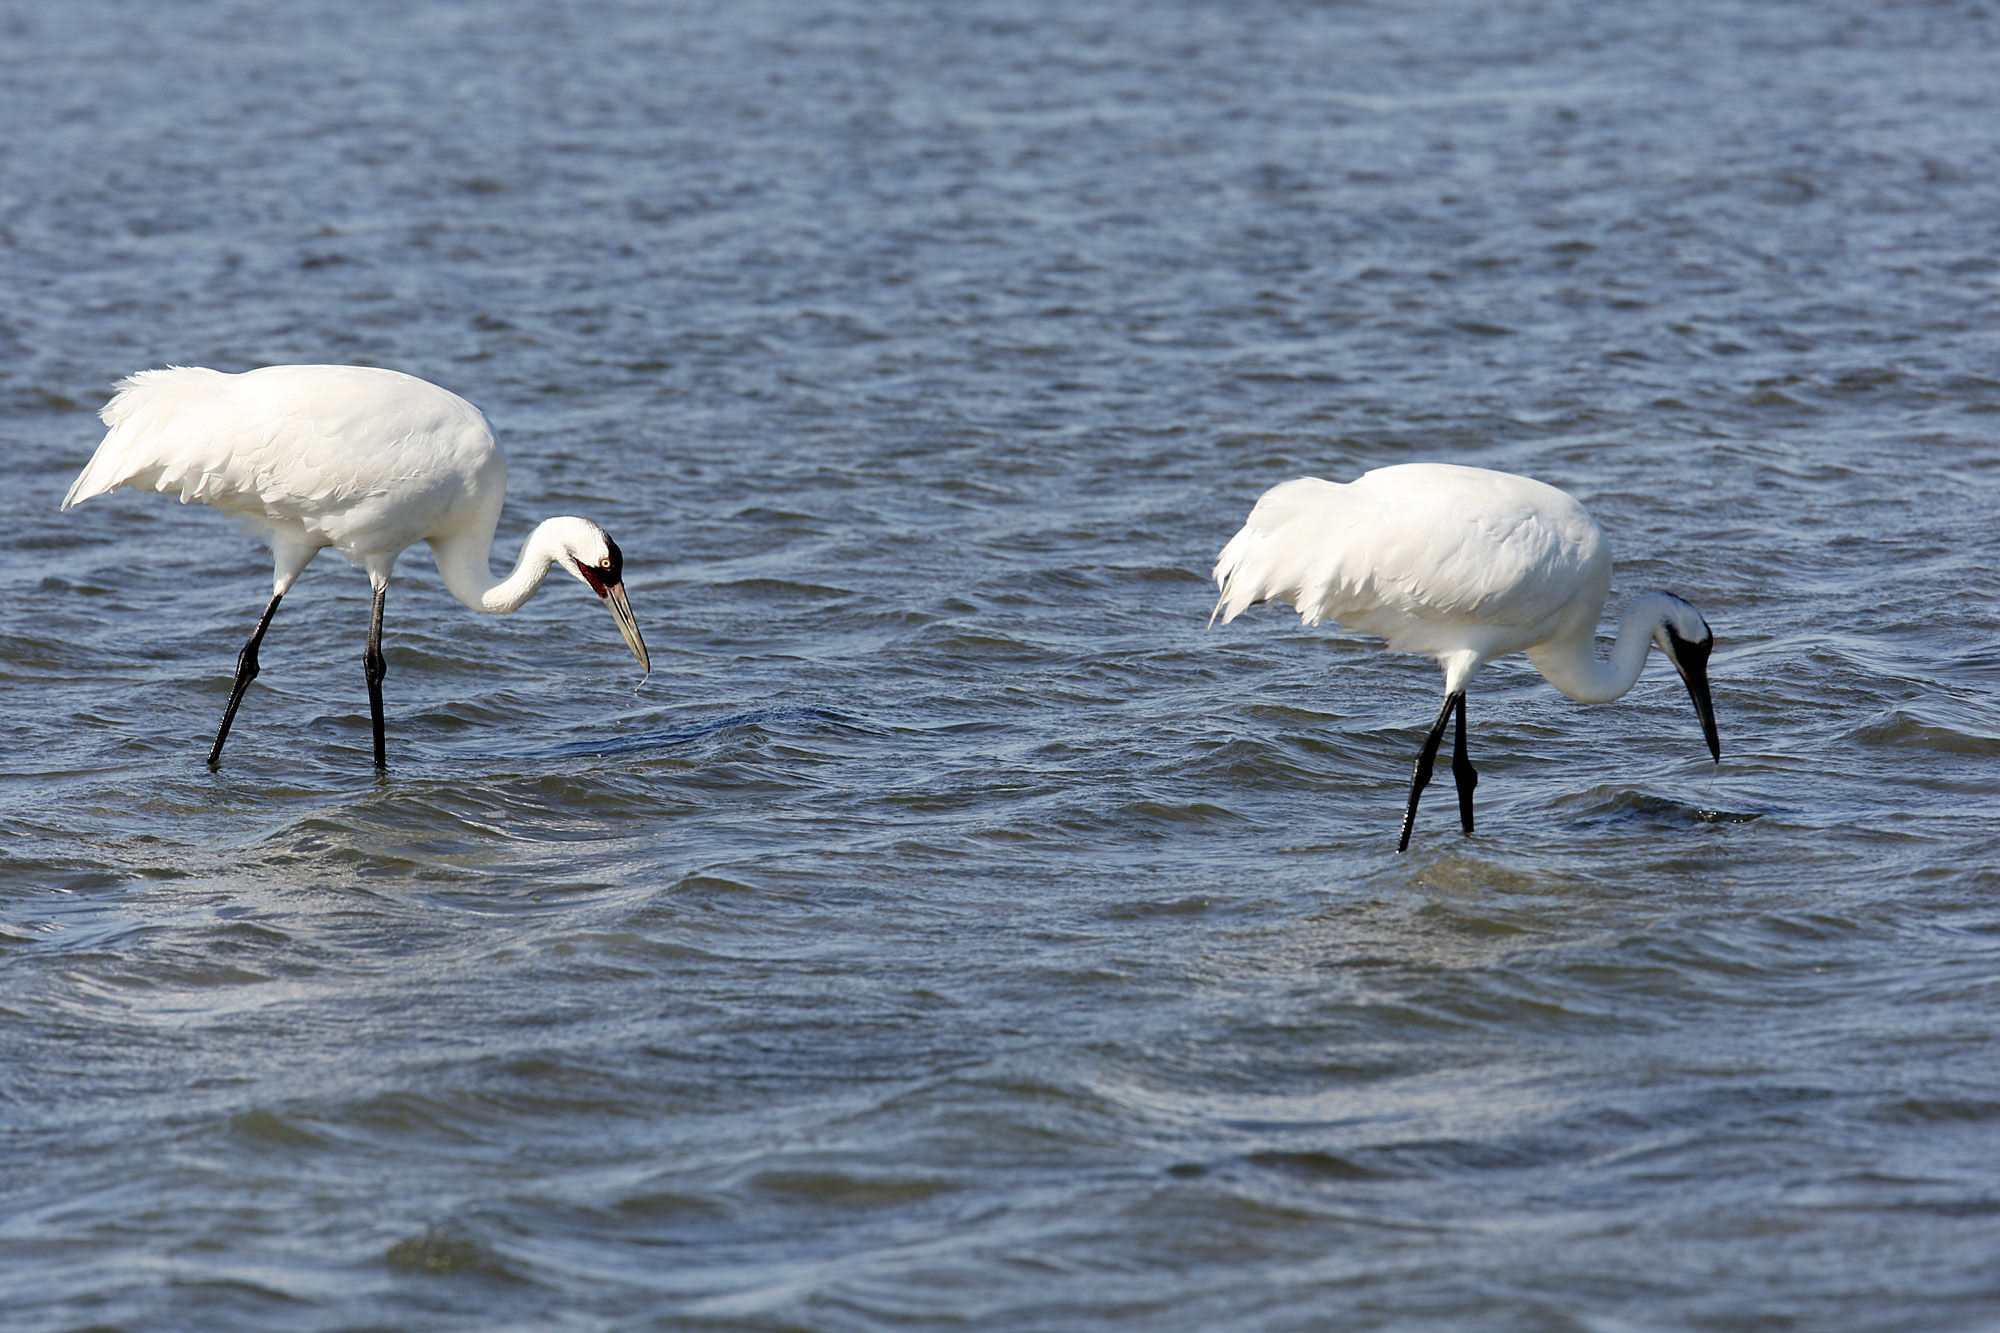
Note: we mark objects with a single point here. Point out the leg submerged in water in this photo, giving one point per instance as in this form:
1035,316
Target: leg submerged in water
375,667
1420,777
1462,770
246,671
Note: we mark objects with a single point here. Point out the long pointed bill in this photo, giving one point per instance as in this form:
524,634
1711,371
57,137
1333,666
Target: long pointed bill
621,611
1691,660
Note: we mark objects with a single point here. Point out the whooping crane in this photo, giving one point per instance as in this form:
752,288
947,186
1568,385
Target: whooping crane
1464,564
365,460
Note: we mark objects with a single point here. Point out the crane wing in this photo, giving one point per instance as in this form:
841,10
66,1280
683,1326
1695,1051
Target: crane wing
285,442
1404,552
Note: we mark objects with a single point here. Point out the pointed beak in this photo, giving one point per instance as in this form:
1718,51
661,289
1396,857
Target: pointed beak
621,611
1691,660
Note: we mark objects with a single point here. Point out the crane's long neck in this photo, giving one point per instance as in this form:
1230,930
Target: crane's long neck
463,565
1573,666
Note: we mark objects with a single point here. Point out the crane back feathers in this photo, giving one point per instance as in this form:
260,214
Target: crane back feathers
1433,558
359,458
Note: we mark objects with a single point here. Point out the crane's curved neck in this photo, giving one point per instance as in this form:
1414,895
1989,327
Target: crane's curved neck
1573,666
469,578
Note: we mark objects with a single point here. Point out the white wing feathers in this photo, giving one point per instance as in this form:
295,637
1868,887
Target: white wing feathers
1422,555
237,442
286,443
1283,552
157,437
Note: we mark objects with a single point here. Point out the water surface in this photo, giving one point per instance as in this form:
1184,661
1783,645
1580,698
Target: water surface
956,931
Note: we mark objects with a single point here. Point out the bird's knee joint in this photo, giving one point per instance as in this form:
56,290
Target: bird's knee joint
375,666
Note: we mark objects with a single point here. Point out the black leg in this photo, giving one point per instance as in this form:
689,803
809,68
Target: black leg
1462,769
375,666
1420,778
246,671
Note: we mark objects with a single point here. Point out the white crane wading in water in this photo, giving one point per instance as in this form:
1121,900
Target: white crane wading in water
364,460
1464,564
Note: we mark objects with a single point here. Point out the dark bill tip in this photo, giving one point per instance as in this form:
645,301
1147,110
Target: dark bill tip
1691,660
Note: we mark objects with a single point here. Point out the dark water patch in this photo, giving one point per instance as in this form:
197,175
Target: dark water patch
1452,1157
1939,1110
836,1190
779,719
406,1120
1319,1167
655,1207
1607,808
183,975
1934,725
644,954
1178,907
449,1250
269,1131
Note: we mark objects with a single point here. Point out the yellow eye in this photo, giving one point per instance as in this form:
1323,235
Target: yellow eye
604,563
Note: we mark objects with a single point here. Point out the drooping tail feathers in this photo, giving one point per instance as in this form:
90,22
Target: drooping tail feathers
158,427
1276,555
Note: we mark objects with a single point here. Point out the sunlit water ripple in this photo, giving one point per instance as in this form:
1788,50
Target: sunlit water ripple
956,930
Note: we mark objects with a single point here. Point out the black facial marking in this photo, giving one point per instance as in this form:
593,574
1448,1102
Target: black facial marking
615,573
1692,651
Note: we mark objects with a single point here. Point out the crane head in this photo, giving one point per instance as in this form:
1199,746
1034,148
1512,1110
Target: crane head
1687,641
595,559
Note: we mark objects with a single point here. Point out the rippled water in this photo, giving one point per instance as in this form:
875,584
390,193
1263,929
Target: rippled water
955,930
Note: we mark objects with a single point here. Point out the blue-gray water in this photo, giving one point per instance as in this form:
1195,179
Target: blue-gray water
956,932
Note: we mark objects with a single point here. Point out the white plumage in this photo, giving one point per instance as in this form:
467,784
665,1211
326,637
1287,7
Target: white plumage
1463,564
365,460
